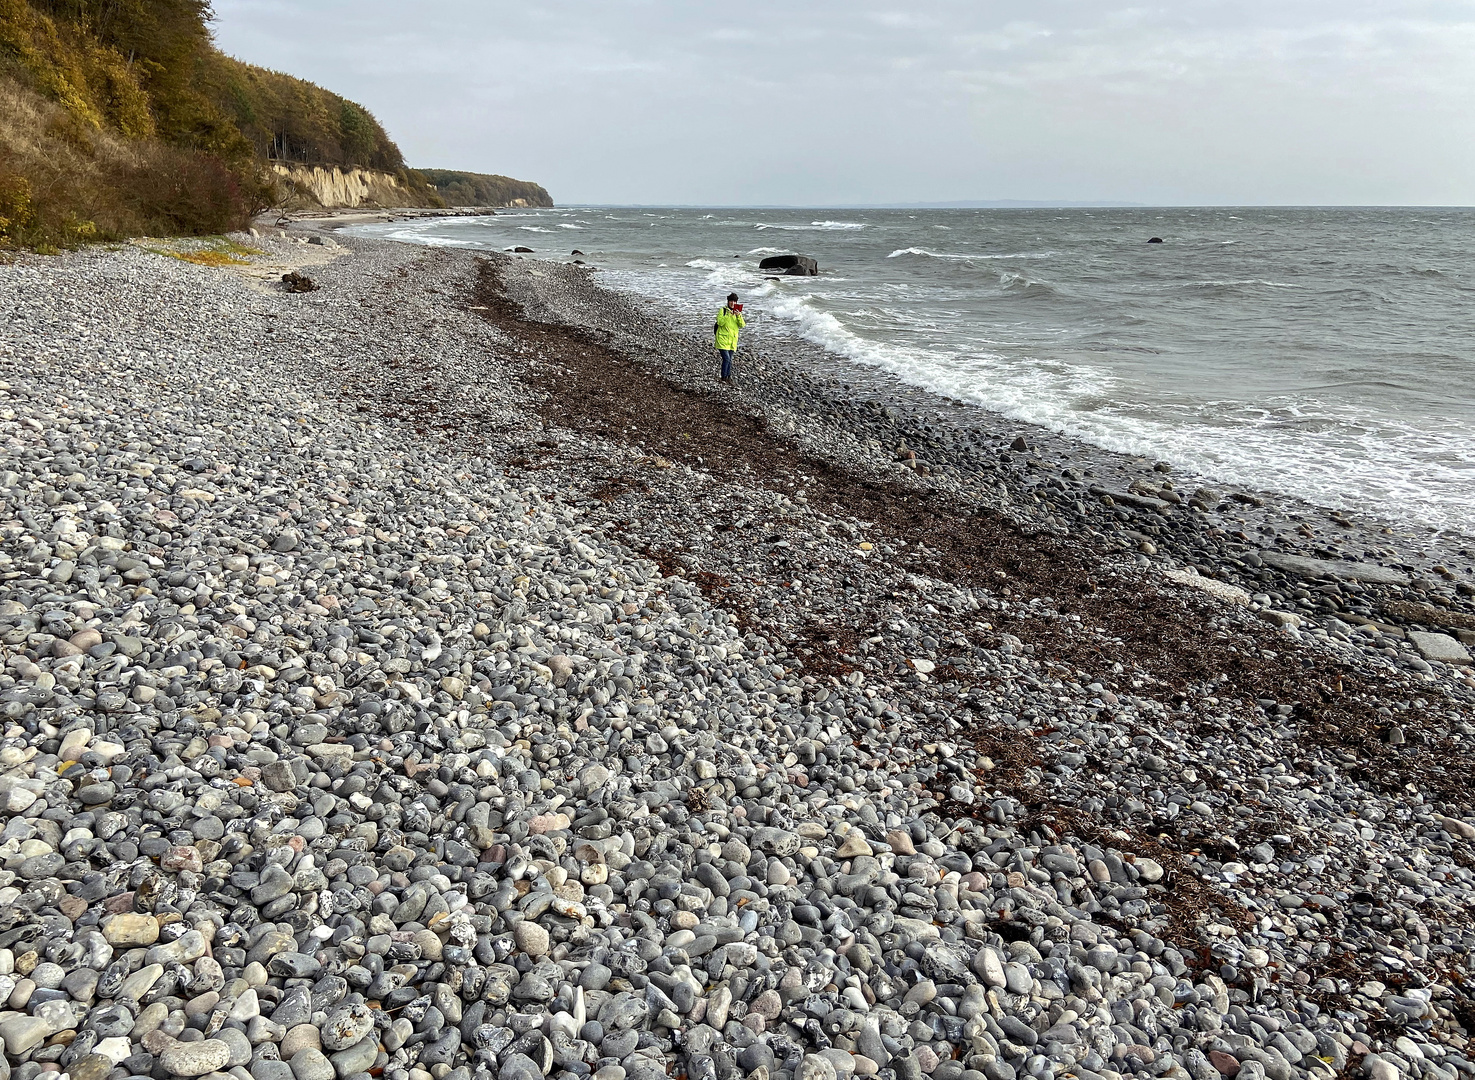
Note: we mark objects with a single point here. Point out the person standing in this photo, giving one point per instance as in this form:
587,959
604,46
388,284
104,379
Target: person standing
725,333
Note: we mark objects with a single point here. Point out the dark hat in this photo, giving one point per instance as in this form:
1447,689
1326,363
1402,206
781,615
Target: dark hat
731,297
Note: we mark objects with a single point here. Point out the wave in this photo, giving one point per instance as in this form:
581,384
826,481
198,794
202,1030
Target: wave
1327,452
708,264
566,226
1362,406
1022,284
816,226
965,257
728,273
1240,283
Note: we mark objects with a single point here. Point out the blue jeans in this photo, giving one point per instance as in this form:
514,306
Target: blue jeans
728,355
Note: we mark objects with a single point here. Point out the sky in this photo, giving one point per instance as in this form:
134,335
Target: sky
828,103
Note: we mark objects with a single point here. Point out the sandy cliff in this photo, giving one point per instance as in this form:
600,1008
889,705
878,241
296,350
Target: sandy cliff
332,188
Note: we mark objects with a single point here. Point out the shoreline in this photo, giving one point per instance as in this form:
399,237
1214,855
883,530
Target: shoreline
879,422
330,220
950,740
1115,468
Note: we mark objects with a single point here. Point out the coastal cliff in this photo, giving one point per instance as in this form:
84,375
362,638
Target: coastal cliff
481,189
333,188
121,120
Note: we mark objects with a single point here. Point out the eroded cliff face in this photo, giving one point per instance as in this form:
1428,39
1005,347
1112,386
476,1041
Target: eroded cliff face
333,188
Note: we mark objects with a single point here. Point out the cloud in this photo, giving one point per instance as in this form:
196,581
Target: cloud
824,102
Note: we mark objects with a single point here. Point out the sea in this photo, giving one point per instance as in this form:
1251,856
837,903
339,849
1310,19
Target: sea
1323,353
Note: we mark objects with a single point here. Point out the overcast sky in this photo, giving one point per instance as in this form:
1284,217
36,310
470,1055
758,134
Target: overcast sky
822,102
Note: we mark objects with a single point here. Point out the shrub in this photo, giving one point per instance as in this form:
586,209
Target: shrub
64,184
16,213
119,117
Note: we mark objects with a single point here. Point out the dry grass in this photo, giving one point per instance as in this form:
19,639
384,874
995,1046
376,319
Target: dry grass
64,182
218,251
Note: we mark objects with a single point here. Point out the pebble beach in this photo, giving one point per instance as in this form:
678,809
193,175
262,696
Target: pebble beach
439,676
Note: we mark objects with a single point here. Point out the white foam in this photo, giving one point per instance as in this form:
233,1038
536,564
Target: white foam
966,256
1330,455
815,226
1017,352
1239,283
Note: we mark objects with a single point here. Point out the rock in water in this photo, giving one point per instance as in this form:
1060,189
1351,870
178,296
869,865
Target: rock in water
792,265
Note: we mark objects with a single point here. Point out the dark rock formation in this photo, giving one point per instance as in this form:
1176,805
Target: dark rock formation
791,265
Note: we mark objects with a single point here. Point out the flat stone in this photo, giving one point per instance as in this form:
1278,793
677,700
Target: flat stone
1439,647
23,1032
1280,618
1018,979
531,938
1130,498
1227,1064
301,1037
311,1064
141,981
346,1025
815,1067
1222,590
1334,568
196,1058
91,1067
357,1058
130,929
185,949
989,966
115,1049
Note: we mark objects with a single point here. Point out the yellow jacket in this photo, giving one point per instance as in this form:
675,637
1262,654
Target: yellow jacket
726,328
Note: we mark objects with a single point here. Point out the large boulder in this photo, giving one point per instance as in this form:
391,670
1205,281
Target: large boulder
791,265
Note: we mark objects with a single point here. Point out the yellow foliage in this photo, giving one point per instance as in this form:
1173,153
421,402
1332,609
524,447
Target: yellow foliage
37,46
120,117
63,183
16,214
